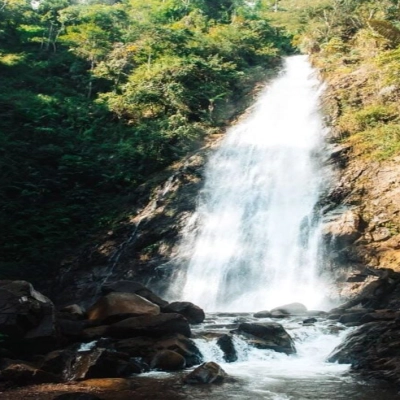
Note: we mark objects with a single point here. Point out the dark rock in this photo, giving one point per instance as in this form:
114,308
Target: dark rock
102,363
357,278
291,309
72,329
209,372
95,332
267,335
152,326
27,317
262,314
20,373
373,349
116,304
193,313
380,315
351,317
225,343
310,321
77,396
168,360
74,310
22,308
59,362
135,288
146,347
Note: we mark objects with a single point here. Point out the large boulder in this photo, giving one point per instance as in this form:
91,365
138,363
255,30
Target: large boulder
150,325
27,316
209,372
114,305
135,288
267,335
146,348
167,360
193,313
374,349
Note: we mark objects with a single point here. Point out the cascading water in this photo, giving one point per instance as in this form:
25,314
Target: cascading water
258,240
257,245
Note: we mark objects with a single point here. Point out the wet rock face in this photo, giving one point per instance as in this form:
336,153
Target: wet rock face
209,372
225,342
362,222
267,335
343,229
373,349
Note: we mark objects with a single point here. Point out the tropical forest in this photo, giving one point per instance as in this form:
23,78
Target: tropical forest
199,199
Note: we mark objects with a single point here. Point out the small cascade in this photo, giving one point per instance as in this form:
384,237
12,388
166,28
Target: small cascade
257,243
269,375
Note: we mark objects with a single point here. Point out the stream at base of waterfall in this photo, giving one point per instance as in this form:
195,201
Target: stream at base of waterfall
265,374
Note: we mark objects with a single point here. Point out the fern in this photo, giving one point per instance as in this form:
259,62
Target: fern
387,30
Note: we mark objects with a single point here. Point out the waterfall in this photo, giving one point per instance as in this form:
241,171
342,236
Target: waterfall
258,239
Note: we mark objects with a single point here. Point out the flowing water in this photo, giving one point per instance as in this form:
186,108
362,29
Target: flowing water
257,246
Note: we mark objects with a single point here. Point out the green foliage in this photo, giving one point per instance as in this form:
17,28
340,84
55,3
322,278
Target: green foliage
355,45
387,30
96,96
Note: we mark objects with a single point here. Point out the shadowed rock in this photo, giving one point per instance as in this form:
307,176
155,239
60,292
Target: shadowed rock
209,372
152,326
146,348
167,360
193,313
77,396
267,335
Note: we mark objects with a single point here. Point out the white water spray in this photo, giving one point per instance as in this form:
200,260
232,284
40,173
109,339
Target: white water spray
258,240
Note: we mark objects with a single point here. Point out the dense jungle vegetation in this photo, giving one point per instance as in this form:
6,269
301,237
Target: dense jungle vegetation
355,44
96,95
